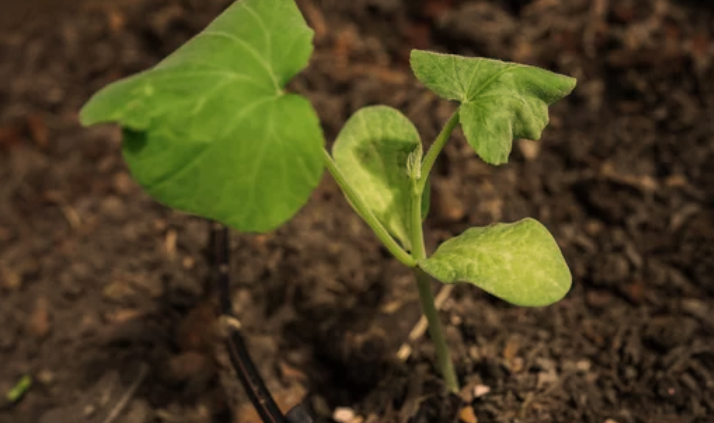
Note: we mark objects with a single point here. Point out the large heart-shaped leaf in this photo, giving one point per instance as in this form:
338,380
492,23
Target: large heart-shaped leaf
210,131
372,151
518,262
499,101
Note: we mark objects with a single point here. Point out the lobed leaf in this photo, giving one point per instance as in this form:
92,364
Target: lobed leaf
518,262
210,131
500,101
372,150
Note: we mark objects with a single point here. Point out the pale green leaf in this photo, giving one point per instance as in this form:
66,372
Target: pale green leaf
518,262
22,386
373,151
210,131
500,101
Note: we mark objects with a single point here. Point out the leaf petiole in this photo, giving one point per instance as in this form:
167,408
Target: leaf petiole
366,213
436,148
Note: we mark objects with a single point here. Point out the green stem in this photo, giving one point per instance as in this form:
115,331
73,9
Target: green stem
436,148
426,296
436,332
417,231
366,213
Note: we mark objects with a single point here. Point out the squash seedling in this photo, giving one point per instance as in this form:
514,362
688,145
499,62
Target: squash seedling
211,131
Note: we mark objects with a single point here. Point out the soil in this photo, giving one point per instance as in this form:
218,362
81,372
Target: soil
103,290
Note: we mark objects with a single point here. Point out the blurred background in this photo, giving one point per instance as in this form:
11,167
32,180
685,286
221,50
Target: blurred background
103,290
19,13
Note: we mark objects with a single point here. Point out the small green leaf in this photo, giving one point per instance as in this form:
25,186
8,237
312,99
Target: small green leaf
414,161
16,393
373,151
518,262
210,131
500,101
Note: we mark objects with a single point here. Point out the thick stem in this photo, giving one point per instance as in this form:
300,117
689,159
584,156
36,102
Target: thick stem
436,148
366,214
436,332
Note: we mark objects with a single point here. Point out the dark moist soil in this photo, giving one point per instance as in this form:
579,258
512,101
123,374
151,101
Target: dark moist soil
103,289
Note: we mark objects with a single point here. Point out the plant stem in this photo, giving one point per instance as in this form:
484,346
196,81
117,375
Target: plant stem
436,148
417,231
426,296
436,332
364,211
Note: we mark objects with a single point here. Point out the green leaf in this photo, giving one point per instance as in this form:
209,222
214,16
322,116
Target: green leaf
372,150
518,262
210,131
500,101
16,393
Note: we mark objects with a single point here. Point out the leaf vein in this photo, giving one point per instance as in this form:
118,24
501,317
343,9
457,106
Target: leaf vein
266,33
249,48
493,78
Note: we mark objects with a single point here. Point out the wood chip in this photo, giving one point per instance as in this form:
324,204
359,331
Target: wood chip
511,349
38,325
123,315
38,130
467,415
170,244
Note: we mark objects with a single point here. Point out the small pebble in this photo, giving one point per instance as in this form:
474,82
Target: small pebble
188,263
113,207
481,390
530,149
46,377
343,415
123,183
583,365
89,410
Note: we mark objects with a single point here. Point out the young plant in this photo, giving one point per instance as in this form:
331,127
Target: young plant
211,131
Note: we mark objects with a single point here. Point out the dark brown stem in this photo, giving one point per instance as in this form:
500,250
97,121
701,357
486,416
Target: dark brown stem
240,359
